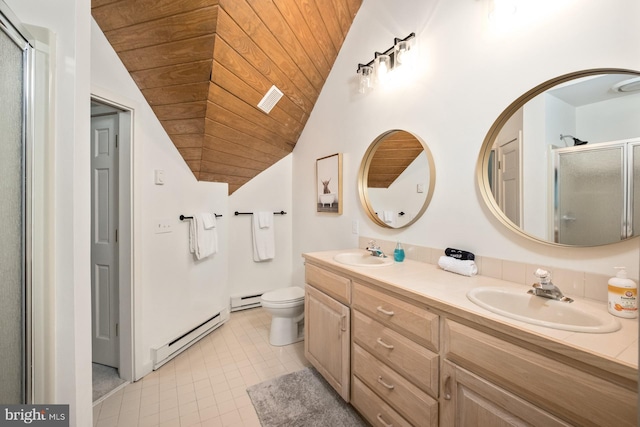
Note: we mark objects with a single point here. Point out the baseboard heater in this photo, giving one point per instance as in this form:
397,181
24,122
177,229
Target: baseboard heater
162,355
245,302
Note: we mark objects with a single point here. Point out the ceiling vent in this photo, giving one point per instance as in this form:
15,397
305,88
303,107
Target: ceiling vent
270,99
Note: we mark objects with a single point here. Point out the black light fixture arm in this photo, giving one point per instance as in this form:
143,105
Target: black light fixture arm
387,52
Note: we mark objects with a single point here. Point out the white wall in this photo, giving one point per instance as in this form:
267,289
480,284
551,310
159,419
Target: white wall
269,191
470,72
402,194
173,291
610,120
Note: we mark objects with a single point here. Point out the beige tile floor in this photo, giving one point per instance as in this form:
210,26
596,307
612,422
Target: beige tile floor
206,385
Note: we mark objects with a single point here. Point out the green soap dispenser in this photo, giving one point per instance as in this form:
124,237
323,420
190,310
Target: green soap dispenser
398,253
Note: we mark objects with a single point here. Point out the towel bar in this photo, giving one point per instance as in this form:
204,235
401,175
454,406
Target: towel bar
251,213
183,217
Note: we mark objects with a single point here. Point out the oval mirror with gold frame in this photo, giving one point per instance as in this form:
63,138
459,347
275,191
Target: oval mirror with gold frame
396,179
557,166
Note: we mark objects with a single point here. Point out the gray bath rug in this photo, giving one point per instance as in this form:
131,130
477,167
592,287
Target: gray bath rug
301,399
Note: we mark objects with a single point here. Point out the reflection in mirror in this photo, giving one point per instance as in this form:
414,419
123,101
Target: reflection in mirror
396,179
561,164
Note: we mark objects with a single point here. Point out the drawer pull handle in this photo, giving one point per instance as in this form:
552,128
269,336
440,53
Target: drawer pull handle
383,311
384,423
384,344
447,388
385,385
343,323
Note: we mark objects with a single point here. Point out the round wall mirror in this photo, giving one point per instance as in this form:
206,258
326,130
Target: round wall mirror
396,179
561,165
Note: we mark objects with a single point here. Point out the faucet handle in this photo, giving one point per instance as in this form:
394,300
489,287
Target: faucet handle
543,275
545,278
373,244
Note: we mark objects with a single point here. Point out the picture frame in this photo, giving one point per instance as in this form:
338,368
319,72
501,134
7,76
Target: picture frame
329,184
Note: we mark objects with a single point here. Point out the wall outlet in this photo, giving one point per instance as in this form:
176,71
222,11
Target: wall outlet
355,228
163,226
420,188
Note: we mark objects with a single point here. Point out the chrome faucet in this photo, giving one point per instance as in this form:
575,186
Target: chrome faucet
546,289
375,249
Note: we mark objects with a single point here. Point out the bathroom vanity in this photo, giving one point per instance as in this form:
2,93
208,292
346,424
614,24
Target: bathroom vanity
404,345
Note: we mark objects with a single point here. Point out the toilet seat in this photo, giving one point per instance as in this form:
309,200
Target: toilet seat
284,295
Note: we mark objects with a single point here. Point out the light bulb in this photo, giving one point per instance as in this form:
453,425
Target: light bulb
402,52
382,66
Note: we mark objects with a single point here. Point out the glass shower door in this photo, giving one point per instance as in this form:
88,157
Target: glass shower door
583,176
13,365
633,229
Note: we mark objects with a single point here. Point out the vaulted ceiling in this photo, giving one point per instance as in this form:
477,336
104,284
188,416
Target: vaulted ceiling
204,65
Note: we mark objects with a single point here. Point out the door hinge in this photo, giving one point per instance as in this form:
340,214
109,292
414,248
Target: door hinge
116,141
116,235
117,329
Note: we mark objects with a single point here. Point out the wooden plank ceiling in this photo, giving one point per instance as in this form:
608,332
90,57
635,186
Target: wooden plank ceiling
392,157
204,65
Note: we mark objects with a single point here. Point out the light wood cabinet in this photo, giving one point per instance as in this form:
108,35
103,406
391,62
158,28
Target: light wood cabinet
416,323
375,409
328,338
330,283
535,385
471,401
395,370
401,362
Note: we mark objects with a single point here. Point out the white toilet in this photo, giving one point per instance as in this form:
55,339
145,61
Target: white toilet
286,306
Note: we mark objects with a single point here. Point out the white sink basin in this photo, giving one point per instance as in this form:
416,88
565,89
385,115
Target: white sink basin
359,259
519,305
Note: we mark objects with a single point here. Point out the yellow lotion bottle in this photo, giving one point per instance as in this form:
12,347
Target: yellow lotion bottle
623,295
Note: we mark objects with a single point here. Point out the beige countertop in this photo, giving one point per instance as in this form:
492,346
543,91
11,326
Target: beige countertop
615,352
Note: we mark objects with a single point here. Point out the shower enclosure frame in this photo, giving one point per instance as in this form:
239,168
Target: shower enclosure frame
11,26
626,174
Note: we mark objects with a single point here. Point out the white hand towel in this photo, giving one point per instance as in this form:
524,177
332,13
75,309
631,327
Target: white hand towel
193,238
208,220
265,219
263,238
463,267
206,242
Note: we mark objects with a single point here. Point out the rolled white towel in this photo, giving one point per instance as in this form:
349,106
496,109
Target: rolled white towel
466,268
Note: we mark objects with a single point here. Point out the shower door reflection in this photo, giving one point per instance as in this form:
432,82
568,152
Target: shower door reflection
13,228
582,176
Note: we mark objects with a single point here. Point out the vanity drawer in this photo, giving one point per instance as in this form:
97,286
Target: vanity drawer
374,409
330,283
413,361
558,388
415,322
411,402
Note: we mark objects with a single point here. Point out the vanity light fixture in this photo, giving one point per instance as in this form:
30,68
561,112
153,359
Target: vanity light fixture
379,68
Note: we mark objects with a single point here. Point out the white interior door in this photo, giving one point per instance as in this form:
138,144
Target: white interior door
509,180
104,250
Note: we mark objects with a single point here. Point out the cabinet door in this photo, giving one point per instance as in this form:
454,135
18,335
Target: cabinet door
469,401
327,338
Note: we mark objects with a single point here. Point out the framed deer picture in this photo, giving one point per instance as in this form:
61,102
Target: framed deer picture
329,184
